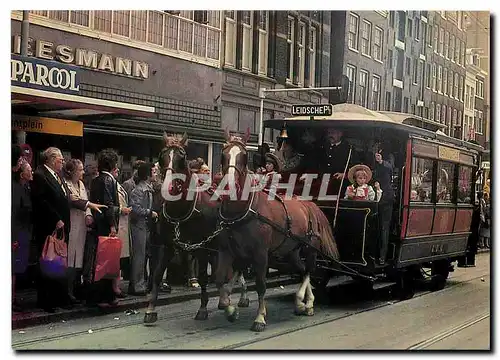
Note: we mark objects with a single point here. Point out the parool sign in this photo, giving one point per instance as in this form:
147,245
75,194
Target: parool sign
46,75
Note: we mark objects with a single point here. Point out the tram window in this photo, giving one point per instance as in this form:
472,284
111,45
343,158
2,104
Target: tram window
421,180
464,185
445,182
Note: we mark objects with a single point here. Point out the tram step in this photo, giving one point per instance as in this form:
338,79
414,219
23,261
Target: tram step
383,284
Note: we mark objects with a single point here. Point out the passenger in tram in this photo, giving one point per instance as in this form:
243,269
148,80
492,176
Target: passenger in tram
360,176
272,169
383,166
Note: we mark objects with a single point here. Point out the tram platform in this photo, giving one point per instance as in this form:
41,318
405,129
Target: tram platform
32,316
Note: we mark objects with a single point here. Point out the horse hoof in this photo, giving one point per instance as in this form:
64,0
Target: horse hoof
150,318
258,327
244,303
232,314
300,312
201,315
309,312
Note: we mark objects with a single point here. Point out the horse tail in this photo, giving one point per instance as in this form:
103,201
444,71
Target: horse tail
328,244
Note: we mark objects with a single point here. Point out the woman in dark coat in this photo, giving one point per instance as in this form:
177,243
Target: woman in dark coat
21,221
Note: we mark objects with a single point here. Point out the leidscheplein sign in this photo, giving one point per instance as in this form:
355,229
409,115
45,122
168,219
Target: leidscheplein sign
40,74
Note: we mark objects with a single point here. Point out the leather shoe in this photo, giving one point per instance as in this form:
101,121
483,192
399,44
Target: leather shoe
165,288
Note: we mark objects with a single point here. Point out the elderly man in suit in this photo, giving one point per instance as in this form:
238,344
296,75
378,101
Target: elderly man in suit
51,206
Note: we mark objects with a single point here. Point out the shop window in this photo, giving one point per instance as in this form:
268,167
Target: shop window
197,150
216,157
80,17
445,182
102,20
421,180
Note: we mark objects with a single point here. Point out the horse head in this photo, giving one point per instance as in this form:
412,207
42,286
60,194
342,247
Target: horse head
234,158
173,164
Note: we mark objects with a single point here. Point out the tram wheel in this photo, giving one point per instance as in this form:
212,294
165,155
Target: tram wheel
405,285
440,270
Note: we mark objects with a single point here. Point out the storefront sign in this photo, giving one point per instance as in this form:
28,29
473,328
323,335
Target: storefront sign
447,153
47,125
312,110
83,57
485,165
44,75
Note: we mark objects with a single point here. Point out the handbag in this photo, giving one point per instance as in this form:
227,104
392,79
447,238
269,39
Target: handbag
54,259
107,264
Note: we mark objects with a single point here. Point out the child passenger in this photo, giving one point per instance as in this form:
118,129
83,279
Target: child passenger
359,176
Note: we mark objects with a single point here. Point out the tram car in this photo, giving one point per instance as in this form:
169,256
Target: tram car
433,182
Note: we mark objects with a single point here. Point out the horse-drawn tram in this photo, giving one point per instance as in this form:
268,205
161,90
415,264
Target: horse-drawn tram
421,222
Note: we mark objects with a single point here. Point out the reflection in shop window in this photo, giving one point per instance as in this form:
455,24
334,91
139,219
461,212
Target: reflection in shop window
216,157
421,180
445,182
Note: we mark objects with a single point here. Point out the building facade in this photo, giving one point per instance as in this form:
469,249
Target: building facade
139,73
272,49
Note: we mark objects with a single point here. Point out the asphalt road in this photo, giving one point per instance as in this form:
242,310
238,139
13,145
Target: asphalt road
457,317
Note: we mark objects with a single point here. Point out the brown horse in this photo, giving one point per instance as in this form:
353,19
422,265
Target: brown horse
185,220
268,232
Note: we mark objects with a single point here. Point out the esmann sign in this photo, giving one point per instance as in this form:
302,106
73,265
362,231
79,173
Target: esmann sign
312,110
39,74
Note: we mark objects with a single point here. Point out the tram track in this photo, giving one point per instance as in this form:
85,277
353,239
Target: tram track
182,314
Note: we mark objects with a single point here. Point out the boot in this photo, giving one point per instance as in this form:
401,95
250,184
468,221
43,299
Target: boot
71,286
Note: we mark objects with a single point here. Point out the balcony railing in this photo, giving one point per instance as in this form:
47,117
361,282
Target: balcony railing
177,32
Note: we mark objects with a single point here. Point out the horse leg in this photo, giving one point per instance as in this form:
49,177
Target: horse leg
232,313
151,316
224,263
202,257
259,323
309,298
244,300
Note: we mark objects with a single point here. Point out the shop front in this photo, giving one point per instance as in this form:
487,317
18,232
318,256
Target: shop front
124,97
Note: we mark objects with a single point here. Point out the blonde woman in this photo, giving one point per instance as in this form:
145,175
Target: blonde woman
80,219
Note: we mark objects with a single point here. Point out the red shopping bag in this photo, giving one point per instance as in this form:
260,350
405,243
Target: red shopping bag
107,262
54,259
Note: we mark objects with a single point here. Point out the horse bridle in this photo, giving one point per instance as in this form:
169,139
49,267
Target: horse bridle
243,147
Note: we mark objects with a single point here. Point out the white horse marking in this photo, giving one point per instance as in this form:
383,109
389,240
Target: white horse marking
168,176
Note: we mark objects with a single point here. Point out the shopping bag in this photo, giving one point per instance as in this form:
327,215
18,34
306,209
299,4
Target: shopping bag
107,264
54,259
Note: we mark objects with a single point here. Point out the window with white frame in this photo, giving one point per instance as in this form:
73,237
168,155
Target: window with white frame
375,99
440,79
435,42
378,37
291,47
455,86
450,83
454,118
138,21
415,72
443,114
366,37
445,81
467,87
351,75
263,41
230,50
353,31
471,98
457,49
462,54
451,48
432,110
363,87
428,76
459,19
246,53
449,120
302,52
447,42
480,88
461,88
434,77
459,60
459,118
438,113
312,56
79,17
417,29
441,41
479,122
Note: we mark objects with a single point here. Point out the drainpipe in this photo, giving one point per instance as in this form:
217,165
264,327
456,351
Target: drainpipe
25,31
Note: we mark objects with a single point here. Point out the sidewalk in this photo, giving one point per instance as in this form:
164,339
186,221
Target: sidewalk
33,316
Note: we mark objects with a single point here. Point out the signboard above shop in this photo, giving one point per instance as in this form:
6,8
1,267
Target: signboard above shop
29,72
312,110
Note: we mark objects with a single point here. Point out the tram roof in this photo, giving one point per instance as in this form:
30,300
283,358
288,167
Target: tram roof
352,115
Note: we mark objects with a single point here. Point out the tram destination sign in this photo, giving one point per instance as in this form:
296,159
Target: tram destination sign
312,110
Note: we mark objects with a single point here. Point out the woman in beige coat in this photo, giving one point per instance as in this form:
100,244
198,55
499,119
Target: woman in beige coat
80,219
